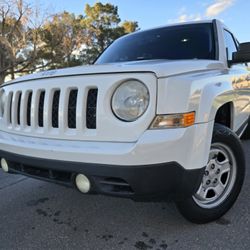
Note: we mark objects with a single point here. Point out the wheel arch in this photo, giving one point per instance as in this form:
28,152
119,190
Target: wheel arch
224,114
214,98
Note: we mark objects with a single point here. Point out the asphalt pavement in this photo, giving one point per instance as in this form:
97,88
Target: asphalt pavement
40,215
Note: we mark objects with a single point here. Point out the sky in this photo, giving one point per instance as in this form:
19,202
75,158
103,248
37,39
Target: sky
152,13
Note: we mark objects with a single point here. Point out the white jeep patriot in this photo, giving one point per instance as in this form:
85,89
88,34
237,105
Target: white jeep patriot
159,115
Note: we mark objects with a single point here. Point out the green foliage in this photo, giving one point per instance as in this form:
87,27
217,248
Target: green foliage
102,26
129,27
60,37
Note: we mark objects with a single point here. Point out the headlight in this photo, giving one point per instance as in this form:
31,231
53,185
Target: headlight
2,102
130,100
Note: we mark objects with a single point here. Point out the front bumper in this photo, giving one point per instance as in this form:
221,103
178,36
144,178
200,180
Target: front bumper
188,147
142,183
161,164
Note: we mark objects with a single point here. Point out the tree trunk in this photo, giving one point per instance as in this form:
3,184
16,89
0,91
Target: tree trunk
2,77
12,71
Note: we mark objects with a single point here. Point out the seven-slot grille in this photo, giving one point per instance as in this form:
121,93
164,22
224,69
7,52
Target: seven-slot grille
32,108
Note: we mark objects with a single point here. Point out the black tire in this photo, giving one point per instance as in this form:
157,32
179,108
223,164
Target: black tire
199,214
246,134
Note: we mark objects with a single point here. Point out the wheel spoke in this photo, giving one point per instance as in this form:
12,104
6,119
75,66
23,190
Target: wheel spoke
202,193
219,189
213,154
224,166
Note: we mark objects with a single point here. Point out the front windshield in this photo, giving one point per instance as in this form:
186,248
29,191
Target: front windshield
194,41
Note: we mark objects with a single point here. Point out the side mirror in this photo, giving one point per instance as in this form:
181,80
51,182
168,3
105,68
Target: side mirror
242,55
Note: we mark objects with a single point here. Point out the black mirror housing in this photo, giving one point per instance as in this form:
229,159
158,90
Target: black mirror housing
242,55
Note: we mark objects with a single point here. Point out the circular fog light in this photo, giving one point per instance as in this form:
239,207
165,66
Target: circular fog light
82,183
4,165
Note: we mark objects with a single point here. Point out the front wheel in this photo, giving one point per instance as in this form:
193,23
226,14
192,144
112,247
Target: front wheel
222,180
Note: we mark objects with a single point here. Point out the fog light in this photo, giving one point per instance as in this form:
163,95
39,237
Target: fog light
82,183
4,165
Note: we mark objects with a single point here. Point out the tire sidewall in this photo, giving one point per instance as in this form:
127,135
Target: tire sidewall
190,209
246,134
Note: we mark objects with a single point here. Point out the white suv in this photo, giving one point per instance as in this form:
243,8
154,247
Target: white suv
158,116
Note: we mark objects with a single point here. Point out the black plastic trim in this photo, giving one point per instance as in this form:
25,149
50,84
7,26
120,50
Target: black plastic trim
216,40
155,182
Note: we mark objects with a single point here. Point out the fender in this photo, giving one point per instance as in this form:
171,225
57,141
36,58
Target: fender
203,93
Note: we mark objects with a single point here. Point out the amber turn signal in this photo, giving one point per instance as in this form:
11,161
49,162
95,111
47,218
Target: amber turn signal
173,121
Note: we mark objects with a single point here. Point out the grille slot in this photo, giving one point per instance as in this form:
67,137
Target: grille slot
70,111
10,108
55,109
72,108
29,108
19,108
41,109
91,109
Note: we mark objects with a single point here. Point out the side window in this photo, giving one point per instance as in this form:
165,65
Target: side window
230,44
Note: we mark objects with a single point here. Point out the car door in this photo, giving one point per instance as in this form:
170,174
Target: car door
240,77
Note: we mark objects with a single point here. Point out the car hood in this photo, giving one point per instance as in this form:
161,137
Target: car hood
161,68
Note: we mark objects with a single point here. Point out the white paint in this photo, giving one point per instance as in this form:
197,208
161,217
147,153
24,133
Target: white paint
174,86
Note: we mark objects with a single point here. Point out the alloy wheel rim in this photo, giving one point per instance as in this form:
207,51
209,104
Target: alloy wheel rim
219,177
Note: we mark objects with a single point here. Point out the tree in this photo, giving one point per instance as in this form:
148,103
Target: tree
129,27
102,25
62,37
29,43
18,38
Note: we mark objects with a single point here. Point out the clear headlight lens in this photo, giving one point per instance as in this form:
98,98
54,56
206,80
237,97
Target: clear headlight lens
130,100
2,102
